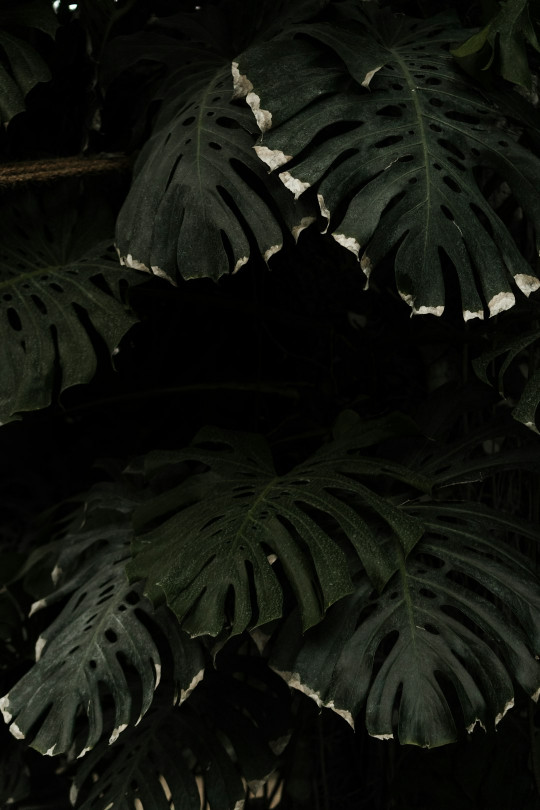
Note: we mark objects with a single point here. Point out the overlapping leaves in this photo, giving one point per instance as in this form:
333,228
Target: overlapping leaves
220,743
218,545
441,645
85,658
54,275
503,41
393,145
200,198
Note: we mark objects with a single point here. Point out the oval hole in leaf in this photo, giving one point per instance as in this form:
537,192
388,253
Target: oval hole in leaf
14,320
451,147
463,118
39,304
390,111
388,141
451,184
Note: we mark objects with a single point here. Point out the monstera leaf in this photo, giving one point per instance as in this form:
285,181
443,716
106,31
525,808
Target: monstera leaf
221,740
200,198
216,546
84,658
22,67
445,640
376,115
53,276
515,354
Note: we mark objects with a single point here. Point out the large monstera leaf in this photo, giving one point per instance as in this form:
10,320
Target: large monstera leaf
54,275
221,743
200,197
218,546
393,144
104,632
441,645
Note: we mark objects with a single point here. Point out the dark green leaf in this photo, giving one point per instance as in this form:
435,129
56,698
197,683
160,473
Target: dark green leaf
454,628
51,271
200,196
84,657
391,143
212,553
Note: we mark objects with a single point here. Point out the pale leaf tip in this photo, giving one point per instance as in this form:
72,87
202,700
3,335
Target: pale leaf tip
293,184
273,158
425,310
527,284
369,75
240,263
39,605
262,117
116,733
17,733
469,314
348,242
185,693
270,252
40,644
4,703
241,84
304,223
501,302
507,706
324,211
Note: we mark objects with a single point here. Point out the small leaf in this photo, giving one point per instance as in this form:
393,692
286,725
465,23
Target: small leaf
23,67
515,355
51,270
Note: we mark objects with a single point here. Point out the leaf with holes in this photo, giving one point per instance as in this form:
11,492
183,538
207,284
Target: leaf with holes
22,66
220,740
200,198
57,287
378,117
445,640
218,546
101,649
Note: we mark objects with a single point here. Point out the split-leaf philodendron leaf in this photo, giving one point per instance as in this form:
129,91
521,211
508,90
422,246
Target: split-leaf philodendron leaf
50,281
200,197
85,658
459,622
378,117
217,546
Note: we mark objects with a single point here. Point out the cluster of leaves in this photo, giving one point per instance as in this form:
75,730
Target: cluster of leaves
231,493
